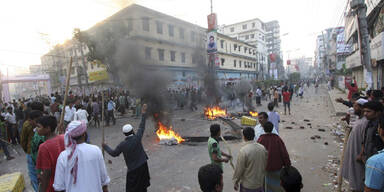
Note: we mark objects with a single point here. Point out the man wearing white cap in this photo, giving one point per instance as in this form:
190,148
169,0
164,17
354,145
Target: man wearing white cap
80,167
134,155
353,171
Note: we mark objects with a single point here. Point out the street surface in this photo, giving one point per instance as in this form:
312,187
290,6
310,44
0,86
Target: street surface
174,168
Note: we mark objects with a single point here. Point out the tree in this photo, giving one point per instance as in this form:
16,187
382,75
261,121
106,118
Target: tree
294,77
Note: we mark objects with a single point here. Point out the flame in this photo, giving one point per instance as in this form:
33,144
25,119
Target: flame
253,114
167,133
214,112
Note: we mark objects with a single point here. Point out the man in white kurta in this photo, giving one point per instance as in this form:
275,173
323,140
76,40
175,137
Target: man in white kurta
85,170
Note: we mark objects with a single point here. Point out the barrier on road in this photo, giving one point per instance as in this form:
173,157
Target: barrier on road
13,182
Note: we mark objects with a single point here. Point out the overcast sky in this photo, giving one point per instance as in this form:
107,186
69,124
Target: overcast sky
24,21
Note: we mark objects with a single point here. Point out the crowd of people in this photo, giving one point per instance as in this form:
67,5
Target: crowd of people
363,164
263,163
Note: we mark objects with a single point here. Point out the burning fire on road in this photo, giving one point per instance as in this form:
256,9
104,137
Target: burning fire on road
165,133
214,112
253,113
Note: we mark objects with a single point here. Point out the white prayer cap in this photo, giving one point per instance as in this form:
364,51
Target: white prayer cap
361,101
127,128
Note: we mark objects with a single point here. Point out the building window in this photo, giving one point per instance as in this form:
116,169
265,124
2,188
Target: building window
239,48
73,70
193,36
234,47
193,59
252,36
159,27
234,63
222,61
171,30
246,37
147,53
245,50
145,22
245,26
240,64
161,54
222,44
181,32
232,29
173,55
183,57
183,73
253,25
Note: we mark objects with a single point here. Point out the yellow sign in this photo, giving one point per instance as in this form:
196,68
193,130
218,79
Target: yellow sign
98,75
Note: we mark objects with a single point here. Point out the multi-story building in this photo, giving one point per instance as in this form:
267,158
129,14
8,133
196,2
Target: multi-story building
375,13
319,52
237,59
162,41
272,38
35,69
252,32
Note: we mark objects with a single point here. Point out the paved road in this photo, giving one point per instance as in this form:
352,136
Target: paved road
174,168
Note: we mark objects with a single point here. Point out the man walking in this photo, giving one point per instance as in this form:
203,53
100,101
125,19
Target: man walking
259,94
69,114
13,133
138,179
251,164
80,167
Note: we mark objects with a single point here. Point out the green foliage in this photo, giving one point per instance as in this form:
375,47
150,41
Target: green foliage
294,77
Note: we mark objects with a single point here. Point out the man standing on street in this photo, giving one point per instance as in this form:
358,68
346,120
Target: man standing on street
374,169
49,151
69,114
80,167
211,178
134,155
251,164
215,154
273,116
259,93
259,130
372,143
110,108
287,101
353,171
27,134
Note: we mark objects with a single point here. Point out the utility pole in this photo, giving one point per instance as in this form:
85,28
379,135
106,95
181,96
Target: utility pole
365,51
211,6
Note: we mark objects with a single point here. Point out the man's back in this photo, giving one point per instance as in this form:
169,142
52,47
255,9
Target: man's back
274,118
91,173
251,163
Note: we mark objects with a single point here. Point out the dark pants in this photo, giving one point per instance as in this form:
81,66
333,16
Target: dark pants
13,133
138,179
109,116
3,145
258,100
287,104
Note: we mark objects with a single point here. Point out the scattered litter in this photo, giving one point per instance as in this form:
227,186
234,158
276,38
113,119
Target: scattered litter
306,120
313,138
182,119
169,142
109,161
292,122
326,143
321,130
302,127
288,127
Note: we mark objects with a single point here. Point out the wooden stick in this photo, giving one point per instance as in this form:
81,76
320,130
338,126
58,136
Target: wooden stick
340,178
61,131
102,120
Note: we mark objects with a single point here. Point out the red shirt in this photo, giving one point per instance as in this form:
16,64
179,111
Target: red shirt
286,96
47,156
278,156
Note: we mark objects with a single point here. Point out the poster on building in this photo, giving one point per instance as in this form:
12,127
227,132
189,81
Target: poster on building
211,42
212,22
341,46
98,75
